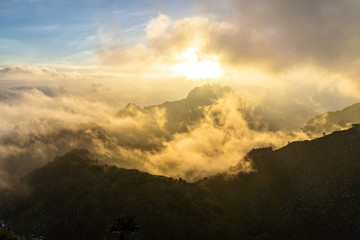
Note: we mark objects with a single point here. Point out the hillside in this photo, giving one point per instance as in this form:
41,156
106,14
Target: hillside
333,121
305,190
76,197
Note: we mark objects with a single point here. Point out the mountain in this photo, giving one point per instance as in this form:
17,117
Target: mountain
181,114
333,121
130,110
305,190
290,122
76,197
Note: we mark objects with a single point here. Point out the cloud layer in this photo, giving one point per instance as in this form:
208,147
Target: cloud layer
37,127
277,33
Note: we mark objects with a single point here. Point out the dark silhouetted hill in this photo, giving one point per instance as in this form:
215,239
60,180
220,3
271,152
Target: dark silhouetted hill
306,190
76,197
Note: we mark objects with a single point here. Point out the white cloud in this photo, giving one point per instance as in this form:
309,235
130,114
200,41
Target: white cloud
33,72
158,26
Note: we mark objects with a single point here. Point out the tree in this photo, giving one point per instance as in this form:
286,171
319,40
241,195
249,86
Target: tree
6,234
125,226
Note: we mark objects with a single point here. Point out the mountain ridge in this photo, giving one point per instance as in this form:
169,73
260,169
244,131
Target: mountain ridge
332,121
181,114
305,190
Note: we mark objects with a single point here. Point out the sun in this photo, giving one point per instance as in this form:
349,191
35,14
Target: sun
196,66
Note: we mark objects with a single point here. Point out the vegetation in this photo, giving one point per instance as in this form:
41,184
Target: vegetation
306,190
6,234
75,197
125,226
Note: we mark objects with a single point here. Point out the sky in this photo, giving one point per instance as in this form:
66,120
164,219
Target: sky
290,55
49,31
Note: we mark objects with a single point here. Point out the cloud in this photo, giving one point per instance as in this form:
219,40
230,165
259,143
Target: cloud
139,59
166,40
278,34
273,37
259,57
316,32
35,73
158,26
216,143
37,127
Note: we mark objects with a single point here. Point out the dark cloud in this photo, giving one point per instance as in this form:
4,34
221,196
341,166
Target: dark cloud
282,33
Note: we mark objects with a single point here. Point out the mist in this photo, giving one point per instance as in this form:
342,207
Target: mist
38,125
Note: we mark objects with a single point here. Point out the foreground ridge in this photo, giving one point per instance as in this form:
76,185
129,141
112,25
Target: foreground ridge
307,189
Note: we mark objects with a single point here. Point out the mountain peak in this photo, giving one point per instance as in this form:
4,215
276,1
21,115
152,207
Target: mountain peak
208,92
77,156
180,114
130,110
205,91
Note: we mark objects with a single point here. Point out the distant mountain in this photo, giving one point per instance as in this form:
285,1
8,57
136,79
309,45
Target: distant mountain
305,190
290,122
333,121
181,114
130,110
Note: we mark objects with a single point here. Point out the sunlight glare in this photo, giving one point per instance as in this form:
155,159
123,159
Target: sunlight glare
195,66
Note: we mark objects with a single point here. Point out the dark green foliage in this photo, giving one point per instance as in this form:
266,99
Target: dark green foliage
306,190
125,226
6,234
